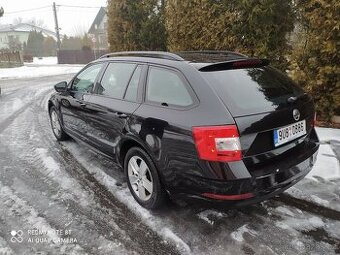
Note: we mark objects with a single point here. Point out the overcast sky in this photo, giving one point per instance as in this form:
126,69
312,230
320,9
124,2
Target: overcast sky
71,20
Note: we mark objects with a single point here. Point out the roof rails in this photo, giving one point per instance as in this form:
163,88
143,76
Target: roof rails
147,54
191,56
210,56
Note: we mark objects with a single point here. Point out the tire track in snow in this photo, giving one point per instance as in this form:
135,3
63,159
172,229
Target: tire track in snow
14,210
37,155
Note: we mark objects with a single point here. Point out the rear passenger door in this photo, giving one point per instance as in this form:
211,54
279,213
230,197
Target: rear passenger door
165,115
116,96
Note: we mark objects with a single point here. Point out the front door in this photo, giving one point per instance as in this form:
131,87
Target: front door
73,103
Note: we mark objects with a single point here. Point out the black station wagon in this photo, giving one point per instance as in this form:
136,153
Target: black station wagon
215,126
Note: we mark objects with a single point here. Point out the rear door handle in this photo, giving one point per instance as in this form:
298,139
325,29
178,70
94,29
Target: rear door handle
122,115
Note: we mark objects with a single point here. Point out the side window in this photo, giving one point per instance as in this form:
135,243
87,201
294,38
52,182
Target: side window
115,79
84,82
131,92
165,86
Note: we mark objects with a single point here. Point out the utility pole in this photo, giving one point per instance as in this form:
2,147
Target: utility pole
56,25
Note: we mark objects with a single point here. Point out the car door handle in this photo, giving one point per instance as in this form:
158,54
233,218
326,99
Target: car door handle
121,115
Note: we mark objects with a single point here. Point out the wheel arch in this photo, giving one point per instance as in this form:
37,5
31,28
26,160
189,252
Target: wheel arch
126,145
50,104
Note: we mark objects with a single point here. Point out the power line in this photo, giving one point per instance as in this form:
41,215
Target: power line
47,6
77,6
28,10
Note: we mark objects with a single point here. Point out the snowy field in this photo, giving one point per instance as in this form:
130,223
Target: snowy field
49,186
44,61
39,68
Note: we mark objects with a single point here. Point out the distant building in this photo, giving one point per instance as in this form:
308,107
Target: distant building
15,36
98,30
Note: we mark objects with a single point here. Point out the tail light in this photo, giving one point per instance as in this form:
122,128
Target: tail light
218,143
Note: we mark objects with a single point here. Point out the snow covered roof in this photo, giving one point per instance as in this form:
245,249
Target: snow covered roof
26,27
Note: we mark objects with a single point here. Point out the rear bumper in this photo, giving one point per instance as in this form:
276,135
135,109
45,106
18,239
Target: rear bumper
261,186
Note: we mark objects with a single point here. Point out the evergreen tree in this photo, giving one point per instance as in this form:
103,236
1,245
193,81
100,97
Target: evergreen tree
254,27
263,28
315,58
35,43
200,25
71,43
1,11
76,42
129,24
49,46
86,42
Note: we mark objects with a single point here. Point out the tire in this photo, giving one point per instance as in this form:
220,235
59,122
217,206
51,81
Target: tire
143,180
57,129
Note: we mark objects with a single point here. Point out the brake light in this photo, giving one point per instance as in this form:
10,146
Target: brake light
218,143
247,63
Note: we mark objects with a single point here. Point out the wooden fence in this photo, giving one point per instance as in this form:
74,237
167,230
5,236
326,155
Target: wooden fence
10,59
78,56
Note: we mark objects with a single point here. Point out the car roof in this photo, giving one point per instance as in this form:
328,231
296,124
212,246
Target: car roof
197,59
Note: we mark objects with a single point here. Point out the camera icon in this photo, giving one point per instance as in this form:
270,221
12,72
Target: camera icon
17,236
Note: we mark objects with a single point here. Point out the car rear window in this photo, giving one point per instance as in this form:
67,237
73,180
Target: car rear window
254,90
166,87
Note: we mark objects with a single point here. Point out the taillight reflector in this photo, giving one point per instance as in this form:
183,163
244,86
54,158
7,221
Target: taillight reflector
228,197
218,143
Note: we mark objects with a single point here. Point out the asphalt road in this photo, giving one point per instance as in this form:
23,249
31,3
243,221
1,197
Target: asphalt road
61,198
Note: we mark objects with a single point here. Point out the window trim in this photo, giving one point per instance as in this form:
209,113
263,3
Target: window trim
187,85
140,84
99,75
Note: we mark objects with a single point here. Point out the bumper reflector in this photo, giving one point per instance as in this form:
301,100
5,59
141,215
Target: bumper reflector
228,197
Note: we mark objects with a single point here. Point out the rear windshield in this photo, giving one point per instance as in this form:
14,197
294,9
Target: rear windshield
251,91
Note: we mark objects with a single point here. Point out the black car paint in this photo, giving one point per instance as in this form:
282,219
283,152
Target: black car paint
110,126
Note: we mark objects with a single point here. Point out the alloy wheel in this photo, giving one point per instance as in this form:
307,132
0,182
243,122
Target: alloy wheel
140,178
56,127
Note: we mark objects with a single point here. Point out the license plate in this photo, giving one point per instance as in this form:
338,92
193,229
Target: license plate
289,133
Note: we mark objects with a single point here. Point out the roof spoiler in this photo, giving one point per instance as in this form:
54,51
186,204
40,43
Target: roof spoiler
235,64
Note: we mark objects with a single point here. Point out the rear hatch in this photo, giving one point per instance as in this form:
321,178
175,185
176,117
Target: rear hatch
263,102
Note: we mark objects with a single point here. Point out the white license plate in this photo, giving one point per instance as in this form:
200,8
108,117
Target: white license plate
289,133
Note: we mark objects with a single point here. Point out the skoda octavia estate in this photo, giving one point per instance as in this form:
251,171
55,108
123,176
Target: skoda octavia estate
215,126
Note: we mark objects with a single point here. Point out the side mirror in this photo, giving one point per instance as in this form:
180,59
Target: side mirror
61,86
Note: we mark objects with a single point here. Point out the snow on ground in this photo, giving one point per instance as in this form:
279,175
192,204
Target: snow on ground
37,71
123,194
322,185
327,165
238,234
47,66
328,134
45,61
